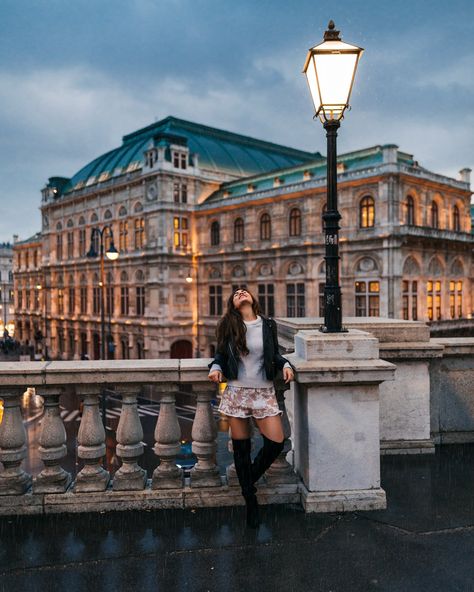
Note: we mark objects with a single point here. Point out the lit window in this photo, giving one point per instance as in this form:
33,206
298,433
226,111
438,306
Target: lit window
367,212
367,299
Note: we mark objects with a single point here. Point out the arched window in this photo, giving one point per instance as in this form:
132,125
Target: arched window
82,221
367,212
138,207
410,211
456,223
295,222
94,218
107,215
123,211
215,233
239,231
70,223
434,215
265,227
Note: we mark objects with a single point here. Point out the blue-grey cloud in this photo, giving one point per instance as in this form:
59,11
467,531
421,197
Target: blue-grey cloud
75,76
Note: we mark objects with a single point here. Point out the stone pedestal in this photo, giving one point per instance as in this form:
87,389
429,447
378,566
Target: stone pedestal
336,448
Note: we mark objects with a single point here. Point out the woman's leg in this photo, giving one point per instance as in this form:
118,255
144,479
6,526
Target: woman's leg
239,427
271,429
241,444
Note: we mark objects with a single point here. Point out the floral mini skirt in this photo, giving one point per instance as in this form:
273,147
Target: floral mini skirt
240,401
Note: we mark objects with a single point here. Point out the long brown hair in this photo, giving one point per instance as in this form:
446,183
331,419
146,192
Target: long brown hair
232,328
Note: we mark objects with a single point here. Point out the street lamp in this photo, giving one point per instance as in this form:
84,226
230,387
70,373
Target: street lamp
330,69
111,254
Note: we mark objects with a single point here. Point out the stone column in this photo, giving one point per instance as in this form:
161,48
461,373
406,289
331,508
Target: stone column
130,476
337,449
53,478
167,443
13,480
91,438
205,472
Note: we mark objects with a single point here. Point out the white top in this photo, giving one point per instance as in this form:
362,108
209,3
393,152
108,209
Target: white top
251,371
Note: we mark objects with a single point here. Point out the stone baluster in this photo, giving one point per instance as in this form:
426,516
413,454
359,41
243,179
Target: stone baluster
91,438
130,476
205,472
167,444
280,471
53,478
13,480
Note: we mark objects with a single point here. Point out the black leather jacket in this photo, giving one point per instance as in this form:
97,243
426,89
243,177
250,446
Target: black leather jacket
228,360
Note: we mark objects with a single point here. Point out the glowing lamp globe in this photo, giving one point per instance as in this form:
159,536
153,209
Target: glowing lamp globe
330,69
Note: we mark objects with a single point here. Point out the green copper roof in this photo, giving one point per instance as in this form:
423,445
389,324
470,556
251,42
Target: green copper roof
218,151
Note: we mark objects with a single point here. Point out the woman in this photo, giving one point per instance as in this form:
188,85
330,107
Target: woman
248,355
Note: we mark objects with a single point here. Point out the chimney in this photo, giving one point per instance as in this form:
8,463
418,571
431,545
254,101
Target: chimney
465,175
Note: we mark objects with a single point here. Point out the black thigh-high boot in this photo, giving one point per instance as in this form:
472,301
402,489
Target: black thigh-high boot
243,468
265,457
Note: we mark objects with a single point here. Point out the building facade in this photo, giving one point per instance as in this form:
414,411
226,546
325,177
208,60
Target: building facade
6,290
195,211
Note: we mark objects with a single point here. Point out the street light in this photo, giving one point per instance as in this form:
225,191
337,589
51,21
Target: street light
111,254
330,69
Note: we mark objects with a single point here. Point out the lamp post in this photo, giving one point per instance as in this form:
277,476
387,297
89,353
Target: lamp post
111,254
330,69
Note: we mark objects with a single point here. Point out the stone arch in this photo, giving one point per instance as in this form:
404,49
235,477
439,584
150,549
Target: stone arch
182,348
265,269
107,215
59,226
139,276
70,223
215,273
435,266
122,211
124,276
94,218
457,268
238,271
411,266
137,208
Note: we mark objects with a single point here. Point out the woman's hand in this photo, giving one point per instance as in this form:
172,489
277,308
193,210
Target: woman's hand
288,374
215,376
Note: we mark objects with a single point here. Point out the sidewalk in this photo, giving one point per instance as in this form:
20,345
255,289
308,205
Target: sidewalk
423,542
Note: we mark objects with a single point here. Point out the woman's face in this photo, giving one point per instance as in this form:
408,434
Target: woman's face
241,297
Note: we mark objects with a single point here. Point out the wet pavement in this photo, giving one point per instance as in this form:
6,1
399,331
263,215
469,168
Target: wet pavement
423,542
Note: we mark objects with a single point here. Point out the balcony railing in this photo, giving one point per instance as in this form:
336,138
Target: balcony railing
54,489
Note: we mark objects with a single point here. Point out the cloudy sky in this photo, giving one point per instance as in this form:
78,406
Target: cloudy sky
76,75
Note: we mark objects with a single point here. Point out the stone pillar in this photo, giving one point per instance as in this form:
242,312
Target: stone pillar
91,438
53,478
337,450
205,472
13,480
167,443
130,476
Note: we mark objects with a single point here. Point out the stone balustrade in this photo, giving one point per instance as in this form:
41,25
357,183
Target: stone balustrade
55,489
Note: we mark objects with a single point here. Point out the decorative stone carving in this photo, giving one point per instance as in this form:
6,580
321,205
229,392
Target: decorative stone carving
13,480
411,267
53,478
238,271
167,444
265,269
295,268
91,438
366,264
151,192
130,476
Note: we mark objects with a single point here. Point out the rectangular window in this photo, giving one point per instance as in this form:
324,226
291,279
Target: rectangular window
266,299
96,299
19,296
215,300
438,300
367,299
124,301
139,233
72,345
455,299
71,301
28,300
123,236
37,299
82,242
295,300
176,160
140,301
109,295
83,298
176,192
180,233
60,301
430,300
59,247
184,161
70,245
